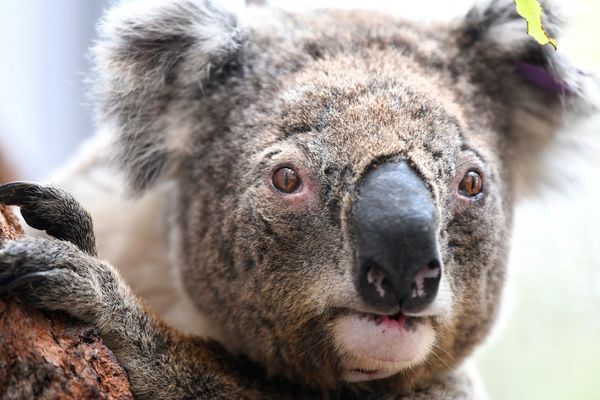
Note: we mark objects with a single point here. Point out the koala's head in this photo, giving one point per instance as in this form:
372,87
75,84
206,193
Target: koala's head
346,179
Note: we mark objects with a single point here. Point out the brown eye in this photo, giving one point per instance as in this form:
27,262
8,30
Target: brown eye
471,185
286,180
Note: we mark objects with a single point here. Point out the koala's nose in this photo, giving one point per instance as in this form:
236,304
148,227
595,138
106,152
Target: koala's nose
395,227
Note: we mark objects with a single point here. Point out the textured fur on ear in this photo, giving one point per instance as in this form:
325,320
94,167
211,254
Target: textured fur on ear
150,54
498,23
538,89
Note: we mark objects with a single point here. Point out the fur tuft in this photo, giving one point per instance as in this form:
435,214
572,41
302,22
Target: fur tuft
539,89
143,48
497,22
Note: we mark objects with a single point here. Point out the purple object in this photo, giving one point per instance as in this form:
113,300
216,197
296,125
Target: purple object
542,78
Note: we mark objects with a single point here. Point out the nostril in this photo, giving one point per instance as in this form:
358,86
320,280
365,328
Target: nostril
375,286
377,278
426,281
434,264
424,288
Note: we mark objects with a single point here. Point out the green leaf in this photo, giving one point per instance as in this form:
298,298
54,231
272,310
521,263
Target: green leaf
531,11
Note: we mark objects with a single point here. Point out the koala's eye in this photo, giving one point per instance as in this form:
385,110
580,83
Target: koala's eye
286,180
471,184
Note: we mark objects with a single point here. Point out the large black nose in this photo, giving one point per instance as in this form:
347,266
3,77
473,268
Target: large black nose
395,226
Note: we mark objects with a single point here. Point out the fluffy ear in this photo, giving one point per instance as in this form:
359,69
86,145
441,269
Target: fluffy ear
539,90
149,55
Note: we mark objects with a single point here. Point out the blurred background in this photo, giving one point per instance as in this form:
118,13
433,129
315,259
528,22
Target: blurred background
548,343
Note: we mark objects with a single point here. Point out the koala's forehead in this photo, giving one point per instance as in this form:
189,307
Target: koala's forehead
355,87
364,81
375,102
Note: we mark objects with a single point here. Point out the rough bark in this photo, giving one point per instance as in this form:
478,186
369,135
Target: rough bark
50,356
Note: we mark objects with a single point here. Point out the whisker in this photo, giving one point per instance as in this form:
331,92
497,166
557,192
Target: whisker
445,351
441,360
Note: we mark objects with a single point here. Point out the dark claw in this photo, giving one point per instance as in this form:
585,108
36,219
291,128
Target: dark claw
52,210
24,195
25,279
18,193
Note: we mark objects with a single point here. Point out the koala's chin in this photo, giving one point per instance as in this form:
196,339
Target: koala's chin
379,346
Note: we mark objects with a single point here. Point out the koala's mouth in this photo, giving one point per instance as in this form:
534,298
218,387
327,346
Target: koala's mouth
376,346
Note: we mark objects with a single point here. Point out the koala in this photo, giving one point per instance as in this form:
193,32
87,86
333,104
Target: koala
332,192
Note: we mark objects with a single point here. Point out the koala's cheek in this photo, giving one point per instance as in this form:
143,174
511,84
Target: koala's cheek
373,348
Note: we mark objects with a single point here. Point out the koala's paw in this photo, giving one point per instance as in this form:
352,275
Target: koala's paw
55,275
52,210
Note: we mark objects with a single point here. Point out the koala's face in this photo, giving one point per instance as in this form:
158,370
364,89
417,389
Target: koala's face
346,179
361,226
